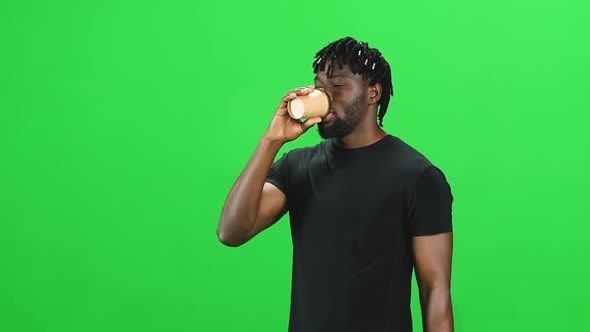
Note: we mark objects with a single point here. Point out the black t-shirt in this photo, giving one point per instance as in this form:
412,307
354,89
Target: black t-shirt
353,213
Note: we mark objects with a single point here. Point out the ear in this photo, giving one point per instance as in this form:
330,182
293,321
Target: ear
375,93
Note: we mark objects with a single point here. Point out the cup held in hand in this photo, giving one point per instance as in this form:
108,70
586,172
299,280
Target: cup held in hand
308,106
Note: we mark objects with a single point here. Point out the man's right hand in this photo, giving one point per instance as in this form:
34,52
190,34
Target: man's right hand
283,128
253,204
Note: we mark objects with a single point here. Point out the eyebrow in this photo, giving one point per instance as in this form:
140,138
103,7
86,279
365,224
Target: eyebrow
333,76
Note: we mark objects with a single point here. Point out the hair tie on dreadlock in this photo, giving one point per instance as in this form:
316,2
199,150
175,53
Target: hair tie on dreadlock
359,52
373,68
366,60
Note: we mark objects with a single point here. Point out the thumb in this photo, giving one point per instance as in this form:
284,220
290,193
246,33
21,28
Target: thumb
310,122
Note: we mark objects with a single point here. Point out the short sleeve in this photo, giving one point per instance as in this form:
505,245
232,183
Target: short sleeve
279,174
430,210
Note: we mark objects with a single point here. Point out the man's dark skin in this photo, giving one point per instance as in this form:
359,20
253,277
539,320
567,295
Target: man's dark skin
254,205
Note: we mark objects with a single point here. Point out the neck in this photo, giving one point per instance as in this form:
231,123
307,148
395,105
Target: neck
366,133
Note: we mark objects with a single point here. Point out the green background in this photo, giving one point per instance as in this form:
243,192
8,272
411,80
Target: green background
123,125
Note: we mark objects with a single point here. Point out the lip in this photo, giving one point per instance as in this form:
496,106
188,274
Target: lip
328,116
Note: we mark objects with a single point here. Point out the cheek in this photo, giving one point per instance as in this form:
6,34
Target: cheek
340,98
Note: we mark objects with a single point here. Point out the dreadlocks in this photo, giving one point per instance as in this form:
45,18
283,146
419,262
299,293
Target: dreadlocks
363,60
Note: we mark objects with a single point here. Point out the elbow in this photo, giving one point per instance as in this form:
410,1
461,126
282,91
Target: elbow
228,239
440,293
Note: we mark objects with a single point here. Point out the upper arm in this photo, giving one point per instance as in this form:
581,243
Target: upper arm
433,259
430,221
273,205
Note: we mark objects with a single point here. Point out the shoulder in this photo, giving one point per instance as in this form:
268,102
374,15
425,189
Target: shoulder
305,154
407,158
419,171
413,168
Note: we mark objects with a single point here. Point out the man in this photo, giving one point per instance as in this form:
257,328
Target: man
365,207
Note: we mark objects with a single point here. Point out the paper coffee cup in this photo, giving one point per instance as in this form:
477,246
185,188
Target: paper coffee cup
308,106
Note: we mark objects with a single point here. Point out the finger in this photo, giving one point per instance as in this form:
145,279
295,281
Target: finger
286,99
302,91
310,123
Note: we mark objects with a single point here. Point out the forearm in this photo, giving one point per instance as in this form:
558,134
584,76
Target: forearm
437,311
240,210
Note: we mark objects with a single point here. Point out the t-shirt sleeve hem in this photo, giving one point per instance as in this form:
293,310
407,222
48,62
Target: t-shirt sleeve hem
277,184
433,232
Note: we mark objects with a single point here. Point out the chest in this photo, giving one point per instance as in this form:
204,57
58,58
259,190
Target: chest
357,207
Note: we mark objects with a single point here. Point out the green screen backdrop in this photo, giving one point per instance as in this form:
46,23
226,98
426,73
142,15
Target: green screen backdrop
123,125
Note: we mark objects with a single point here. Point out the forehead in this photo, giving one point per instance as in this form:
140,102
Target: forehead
345,72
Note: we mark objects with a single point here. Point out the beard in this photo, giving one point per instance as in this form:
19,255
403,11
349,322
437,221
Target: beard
342,127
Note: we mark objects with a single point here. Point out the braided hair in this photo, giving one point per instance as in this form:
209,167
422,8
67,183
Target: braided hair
363,60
